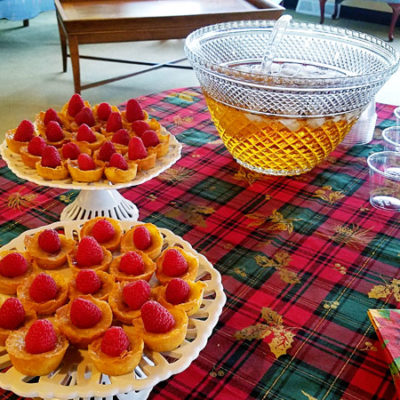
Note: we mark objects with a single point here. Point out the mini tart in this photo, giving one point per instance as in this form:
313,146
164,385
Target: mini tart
112,244
121,365
30,317
165,341
100,123
190,275
79,175
154,125
162,148
85,147
192,304
34,364
27,158
127,125
116,175
153,251
58,144
47,307
47,260
14,145
81,337
149,268
120,309
68,121
9,285
58,173
107,258
39,123
146,163
107,284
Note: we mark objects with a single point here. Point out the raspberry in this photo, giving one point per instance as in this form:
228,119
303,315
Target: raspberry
13,264
85,134
43,288
54,132
24,132
114,122
51,115
133,110
135,294
103,231
12,314
177,291
141,237
115,341
50,157
106,151
36,146
49,241
139,127
75,104
85,162
156,318
41,337
70,150
121,137
118,161
174,264
87,281
85,116
103,111
136,149
150,138
84,314
132,263
89,252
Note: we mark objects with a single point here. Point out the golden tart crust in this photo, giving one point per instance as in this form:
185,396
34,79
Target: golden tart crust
27,158
162,148
60,172
89,147
153,251
116,175
107,284
146,163
81,337
80,175
14,145
107,258
121,365
30,317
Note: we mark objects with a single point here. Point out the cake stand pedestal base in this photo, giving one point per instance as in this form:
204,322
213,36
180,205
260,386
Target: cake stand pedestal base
100,203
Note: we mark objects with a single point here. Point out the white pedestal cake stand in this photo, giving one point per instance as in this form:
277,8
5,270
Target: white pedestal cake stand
97,198
78,378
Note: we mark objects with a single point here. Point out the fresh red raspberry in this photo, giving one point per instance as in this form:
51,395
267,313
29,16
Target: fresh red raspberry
134,110
106,151
51,115
84,314
103,231
75,104
49,241
36,146
50,157
85,162
136,149
12,265
43,288
12,314
139,127
132,263
142,238
85,116
121,137
150,138
114,122
87,281
54,132
136,293
118,161
85,134
156,318
103,111
24,132
174,264
177,291
41,337
70,150
115,341
89,252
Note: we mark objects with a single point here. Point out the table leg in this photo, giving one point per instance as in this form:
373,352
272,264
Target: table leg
322,10
26,22
63,42
74,54
395,16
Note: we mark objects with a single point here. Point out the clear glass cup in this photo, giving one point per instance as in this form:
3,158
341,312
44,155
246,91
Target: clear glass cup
397,115
384,180
391,138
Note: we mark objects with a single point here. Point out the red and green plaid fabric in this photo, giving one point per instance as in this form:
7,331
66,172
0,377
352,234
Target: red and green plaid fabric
302,260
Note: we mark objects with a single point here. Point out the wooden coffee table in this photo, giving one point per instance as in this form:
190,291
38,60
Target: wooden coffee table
104,21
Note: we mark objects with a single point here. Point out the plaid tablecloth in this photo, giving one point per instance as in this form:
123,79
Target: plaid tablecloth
302,260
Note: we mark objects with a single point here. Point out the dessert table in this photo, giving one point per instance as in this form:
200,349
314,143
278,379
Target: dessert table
302,260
